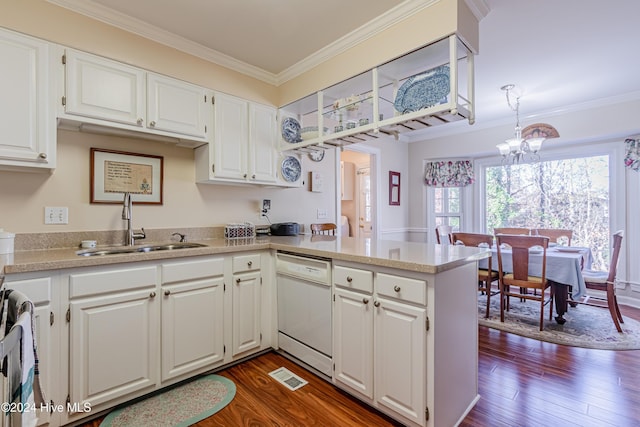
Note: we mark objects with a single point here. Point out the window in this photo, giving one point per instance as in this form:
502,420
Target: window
568,193
448,207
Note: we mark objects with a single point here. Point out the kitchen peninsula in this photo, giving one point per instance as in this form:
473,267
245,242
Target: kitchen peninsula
411,305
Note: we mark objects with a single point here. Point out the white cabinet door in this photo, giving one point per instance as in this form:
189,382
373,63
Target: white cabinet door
230,137
192,326
246,312
262,143
39,290
177,106
400,361
113,345
353,341
27,123
104,89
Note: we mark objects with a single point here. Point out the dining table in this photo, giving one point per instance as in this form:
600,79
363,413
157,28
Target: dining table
563,267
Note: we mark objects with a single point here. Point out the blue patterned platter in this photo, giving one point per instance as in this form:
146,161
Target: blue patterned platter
423,90
291,169
291,130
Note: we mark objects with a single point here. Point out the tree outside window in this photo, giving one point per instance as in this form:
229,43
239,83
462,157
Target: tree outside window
571,194
448,209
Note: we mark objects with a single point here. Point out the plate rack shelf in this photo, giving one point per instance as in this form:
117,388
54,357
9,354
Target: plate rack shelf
428,87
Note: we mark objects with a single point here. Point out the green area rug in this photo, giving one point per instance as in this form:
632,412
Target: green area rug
586,326
180,406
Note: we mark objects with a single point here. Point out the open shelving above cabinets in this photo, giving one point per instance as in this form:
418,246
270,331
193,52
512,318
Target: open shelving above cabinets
428,87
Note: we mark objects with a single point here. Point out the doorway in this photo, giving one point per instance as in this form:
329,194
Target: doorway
357,198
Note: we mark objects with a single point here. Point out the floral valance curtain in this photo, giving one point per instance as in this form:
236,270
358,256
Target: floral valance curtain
632,156
449,173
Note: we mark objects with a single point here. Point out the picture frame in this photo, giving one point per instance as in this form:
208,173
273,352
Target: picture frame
115,172
394,188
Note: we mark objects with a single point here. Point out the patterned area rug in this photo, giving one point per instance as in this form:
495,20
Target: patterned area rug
586,326
178,407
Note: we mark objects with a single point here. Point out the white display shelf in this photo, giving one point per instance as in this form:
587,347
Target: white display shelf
364,108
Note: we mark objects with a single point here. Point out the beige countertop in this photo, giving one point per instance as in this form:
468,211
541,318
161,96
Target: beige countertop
420,257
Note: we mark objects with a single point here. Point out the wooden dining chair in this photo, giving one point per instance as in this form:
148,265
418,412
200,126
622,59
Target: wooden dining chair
486,276
328,229
556,235
511,230
518,282
443,234
605,281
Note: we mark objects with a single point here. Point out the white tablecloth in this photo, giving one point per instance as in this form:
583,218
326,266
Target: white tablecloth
562,267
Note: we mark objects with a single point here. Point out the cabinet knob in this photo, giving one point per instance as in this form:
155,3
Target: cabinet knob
167,292
349,279
152,295
42,156
376,304
238,280
244,176
139,121
365,301
253,176
249,264
396,288
152,123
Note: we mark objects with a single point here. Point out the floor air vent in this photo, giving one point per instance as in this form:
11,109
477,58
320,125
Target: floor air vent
288,378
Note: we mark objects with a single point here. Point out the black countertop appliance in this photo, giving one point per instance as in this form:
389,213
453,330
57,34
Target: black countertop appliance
285,229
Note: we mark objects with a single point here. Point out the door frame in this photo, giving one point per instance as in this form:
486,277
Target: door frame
376,185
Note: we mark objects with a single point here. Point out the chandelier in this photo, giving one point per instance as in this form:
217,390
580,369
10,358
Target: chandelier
517,149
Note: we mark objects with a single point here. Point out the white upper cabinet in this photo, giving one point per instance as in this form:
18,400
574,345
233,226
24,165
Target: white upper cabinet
230,139
177,106
244,146
262,139
27,120
110,94
104,89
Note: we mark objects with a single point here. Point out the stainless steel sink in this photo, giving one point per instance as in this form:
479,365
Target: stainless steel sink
136,249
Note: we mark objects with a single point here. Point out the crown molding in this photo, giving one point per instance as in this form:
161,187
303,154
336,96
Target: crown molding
479,8
127,23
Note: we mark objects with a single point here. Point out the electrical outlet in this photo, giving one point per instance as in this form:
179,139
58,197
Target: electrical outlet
322,214
56,215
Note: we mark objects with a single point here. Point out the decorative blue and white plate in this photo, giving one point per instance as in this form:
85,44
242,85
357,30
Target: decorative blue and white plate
423,90
291,169
291,130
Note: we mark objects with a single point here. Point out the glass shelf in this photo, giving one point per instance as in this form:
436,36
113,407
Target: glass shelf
428,87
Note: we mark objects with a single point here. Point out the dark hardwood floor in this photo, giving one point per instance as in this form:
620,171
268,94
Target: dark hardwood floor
522,382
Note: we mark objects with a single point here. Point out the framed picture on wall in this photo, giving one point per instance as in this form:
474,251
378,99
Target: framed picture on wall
394,188
116,172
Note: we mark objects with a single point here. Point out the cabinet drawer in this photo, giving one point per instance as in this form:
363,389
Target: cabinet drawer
246,263
352,278
37,290
101,282
191,270
403,288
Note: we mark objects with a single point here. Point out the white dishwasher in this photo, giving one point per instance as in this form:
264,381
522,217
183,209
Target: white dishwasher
304,309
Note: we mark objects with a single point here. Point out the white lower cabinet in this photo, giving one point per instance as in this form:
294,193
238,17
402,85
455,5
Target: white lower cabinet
379,341
39,290
113,333
192,316
247,303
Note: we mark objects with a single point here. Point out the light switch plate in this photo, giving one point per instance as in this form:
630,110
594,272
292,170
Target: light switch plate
56,215
322,214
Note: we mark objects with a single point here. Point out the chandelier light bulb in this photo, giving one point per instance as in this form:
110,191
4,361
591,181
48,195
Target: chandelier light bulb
517,149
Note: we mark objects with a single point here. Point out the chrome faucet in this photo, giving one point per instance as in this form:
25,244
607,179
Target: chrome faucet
127,215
